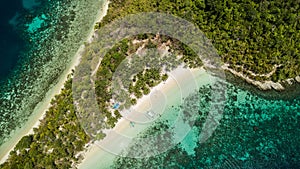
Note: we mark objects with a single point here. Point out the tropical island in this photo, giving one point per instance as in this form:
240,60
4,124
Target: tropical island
138,82
257,41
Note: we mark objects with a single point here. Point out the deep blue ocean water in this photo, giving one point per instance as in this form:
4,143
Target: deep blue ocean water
39,39
254,132
11,42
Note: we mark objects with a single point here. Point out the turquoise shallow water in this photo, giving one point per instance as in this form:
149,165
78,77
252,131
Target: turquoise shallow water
53,32
254,132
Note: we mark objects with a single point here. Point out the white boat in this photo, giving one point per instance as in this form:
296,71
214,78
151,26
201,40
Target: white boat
151,114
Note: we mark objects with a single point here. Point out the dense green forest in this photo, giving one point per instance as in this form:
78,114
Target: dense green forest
55,142
60,137
139,73
254,37
251,36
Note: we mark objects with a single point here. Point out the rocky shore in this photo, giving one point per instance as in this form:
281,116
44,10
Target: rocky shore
264,85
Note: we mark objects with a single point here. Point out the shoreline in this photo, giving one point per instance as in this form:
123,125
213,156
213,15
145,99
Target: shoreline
264,85
94,152
120,135
42,107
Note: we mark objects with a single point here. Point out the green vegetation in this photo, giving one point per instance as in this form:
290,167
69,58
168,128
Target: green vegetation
143,81
55,142
132,74
252,36
104,77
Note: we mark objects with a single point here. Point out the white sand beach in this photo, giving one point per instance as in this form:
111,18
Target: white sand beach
42,107
181,83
